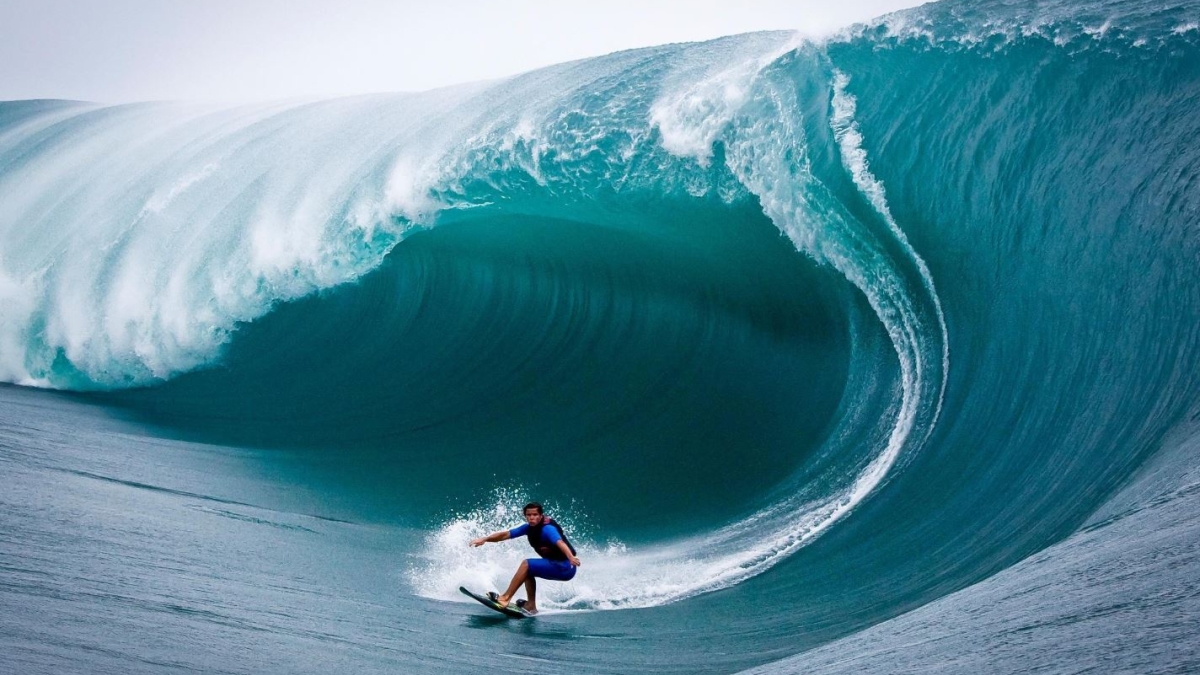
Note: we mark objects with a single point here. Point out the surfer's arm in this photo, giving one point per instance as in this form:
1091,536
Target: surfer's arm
562,546
502,535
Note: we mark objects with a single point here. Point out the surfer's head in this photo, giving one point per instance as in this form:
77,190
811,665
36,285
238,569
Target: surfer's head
533,513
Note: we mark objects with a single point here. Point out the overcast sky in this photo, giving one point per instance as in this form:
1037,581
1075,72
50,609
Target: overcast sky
229,50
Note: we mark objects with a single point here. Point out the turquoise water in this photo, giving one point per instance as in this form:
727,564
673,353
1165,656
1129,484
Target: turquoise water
795,337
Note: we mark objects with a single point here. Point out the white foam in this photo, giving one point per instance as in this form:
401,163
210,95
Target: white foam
854,159
408,189
17,304
692,113
1098,31
160,199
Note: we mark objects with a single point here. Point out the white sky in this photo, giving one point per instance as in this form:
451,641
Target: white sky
126,50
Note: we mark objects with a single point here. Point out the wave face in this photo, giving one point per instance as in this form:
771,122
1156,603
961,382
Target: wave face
980,319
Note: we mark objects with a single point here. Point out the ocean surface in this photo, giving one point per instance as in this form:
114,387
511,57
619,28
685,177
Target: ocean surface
876,352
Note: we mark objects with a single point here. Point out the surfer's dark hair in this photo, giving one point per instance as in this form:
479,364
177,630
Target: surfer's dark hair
534,505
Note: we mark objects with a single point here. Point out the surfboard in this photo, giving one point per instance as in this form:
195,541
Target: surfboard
509,611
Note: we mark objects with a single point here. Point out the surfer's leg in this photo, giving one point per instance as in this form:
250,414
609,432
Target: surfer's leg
531,594
517,580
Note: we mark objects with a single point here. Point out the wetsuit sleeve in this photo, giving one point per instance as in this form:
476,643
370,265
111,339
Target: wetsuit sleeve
551,536
519,531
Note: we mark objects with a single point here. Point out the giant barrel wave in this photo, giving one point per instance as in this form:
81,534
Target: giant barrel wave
796,335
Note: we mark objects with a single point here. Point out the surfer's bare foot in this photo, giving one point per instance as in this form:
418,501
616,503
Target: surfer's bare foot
502,600
527,606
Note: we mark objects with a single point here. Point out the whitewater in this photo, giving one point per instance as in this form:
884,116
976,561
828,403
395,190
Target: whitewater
811,344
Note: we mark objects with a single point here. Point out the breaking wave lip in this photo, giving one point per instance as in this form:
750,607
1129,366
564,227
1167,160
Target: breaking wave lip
996,24
167,226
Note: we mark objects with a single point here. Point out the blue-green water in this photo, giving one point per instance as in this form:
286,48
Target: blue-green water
884,345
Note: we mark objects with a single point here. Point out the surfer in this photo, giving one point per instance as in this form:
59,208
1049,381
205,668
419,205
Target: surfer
557,561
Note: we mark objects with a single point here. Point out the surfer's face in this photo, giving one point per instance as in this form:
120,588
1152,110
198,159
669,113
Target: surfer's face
533,517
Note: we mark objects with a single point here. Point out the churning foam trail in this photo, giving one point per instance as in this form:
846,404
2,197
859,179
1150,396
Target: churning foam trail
854,159
769,157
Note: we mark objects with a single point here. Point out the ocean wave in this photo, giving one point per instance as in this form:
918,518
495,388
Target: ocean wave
949,170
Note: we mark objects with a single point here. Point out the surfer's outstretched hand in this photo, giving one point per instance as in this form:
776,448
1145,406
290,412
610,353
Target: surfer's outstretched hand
479,542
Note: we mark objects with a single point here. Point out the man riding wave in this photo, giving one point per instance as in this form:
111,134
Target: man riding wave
557,561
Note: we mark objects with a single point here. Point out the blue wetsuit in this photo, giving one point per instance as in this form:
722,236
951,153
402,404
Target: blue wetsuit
556,570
